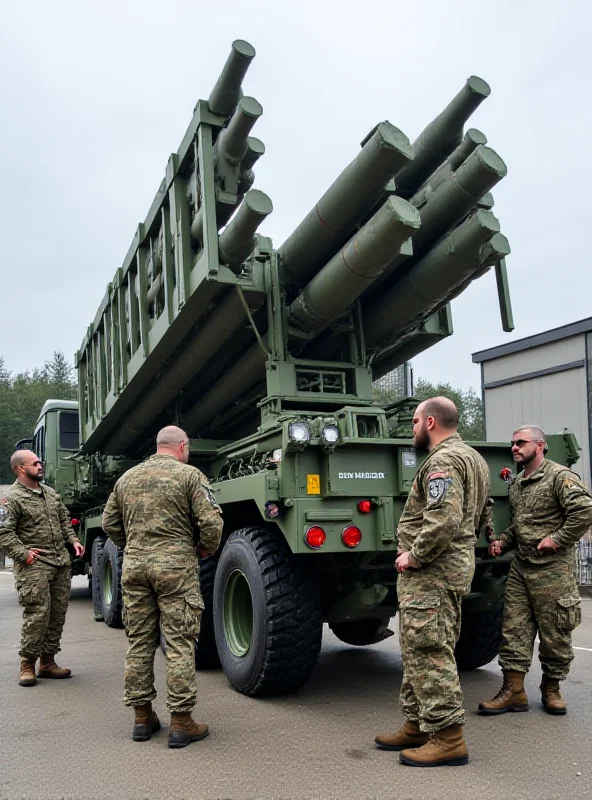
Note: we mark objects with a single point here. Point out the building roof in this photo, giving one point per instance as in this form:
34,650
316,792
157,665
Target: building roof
553,335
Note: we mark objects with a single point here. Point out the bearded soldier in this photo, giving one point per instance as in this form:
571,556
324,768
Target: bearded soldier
164,512
34,530
551,509
447,506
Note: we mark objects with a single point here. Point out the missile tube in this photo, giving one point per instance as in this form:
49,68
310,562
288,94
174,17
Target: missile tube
227,91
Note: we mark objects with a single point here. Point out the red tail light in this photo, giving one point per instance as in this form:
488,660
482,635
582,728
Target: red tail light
365,506
315,537
75,522
506,474
351,536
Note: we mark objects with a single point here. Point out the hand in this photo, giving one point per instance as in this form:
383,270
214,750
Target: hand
201,552
548,544
405,561
33,554
495,548
78,549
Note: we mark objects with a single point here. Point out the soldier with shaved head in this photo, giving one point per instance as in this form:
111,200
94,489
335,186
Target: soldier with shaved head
447,506
34,530
164,513
551,509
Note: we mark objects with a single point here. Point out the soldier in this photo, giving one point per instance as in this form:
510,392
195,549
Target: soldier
550,510
448,504
164,512
34,530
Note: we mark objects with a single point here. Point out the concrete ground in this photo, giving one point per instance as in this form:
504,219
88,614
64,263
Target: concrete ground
71,739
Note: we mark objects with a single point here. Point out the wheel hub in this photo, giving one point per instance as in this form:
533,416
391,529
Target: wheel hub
238,613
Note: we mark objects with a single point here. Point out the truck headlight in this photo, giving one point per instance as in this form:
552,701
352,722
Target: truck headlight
330,434
299,432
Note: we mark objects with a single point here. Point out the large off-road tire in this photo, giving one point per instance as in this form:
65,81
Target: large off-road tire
96,575
111,584
267,618
362,632
206,653
480,637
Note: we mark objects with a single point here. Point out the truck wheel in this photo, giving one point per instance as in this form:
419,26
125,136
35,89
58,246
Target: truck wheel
362,632
206,653
267,618
111,584
480,637
96,574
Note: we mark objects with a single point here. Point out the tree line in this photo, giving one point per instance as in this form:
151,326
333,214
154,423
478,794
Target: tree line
22,395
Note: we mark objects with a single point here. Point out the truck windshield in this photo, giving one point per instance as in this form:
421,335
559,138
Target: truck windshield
69,439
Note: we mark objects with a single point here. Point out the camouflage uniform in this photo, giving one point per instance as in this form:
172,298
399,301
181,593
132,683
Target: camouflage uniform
448,504
541,593
156,509
38,518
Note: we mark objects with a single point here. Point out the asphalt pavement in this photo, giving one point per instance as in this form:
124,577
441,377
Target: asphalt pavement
72,738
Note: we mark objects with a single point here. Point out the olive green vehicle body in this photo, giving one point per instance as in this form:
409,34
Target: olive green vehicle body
207,326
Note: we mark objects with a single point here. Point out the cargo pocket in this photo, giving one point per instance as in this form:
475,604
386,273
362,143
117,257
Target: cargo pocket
30,596
569,613
194,605
421,621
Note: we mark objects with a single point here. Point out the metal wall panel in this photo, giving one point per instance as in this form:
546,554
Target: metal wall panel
549,355
554,402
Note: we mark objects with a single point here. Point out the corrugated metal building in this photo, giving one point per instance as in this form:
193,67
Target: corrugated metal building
543,379
546,380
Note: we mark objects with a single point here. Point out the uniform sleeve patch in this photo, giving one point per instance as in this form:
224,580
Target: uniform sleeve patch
438,484
4,515
209,495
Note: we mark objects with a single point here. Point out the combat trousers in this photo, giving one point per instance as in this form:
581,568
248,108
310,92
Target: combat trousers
160,595
543,599
429,624
43,592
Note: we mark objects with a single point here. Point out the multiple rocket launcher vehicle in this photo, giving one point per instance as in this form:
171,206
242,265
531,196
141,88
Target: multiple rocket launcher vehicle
267,357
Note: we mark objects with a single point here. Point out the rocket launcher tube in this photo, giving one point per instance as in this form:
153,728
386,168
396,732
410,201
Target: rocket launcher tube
449,204
237,241
344,205
227,91
451,263
350,272
233,141
472,139
441,136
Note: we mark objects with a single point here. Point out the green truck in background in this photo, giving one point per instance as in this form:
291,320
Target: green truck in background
267,358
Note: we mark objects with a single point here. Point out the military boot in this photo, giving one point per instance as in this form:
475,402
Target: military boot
184,730
553,703
27,673
49,669
145,723
444,748
511,697
407,736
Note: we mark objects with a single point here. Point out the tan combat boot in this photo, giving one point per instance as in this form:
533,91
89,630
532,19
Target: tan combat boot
145,723
184,730
49,669
553,703
27,673
511,697
444,748
407,736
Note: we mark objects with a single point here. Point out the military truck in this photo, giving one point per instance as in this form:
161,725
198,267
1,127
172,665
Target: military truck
267,358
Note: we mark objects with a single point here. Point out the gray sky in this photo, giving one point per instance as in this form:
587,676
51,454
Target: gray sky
96,95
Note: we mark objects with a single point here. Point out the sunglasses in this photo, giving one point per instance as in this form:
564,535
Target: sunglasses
522,442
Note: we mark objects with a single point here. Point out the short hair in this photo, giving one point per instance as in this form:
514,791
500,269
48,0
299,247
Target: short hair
18,458
171,436
537,433
443,410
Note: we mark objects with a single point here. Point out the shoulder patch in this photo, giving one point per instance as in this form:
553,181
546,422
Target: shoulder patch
438,483
4,515
209,495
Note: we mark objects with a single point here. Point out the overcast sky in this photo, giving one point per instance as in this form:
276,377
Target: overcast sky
96,95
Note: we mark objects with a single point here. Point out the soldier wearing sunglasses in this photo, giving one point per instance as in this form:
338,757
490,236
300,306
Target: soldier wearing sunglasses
551,509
